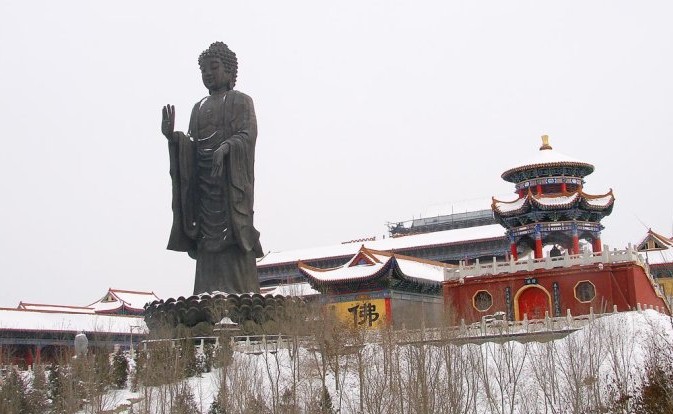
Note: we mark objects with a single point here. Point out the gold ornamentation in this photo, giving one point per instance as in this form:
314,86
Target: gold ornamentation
545,143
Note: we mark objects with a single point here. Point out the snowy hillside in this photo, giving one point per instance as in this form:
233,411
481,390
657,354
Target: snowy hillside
598,368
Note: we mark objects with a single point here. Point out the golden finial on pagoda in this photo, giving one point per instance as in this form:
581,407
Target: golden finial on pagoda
545,143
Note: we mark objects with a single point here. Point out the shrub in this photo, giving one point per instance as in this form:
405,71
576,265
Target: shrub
120,370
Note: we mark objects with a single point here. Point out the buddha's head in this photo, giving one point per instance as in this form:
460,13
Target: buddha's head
218,67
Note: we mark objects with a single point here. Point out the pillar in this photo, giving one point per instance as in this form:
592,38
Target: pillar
576,239
538,189
28,355
38,354
564,188
520,192
538,242
512,249
576,245
597,245
538,247
512,246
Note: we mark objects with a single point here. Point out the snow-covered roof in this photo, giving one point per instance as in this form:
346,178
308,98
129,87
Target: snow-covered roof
420,269
657,249
115,299
368,263
657,257
558,201
554,201
600,201
290,289
55,308
509,206
32,320
341,273
387,244
547,156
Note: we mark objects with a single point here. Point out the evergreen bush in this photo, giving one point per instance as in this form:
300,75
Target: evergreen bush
120,370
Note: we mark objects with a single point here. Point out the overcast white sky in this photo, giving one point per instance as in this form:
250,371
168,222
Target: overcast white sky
368,111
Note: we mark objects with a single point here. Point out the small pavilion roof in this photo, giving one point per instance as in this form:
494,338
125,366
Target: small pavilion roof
116,299
547,157
658,248
369,265
553,202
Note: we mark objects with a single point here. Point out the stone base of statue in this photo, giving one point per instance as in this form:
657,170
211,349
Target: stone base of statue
202,314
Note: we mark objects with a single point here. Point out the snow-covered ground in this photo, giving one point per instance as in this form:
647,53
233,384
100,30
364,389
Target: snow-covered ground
588,369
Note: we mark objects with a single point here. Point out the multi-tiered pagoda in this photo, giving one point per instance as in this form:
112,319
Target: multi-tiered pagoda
552,207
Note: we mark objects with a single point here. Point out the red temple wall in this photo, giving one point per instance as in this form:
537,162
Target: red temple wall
622,284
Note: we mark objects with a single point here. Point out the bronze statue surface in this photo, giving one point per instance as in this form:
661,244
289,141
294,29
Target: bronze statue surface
212,174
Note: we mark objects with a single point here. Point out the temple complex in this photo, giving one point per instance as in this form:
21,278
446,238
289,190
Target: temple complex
534,257
552,215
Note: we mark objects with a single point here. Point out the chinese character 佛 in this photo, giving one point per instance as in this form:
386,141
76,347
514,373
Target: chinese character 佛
365,313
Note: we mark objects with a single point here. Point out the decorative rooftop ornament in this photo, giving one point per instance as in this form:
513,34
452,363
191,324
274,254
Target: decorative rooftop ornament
545,143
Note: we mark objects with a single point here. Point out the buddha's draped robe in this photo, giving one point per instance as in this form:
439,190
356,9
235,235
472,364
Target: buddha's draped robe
213,216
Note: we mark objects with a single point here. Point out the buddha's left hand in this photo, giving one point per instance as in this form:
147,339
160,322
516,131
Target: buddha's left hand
218,160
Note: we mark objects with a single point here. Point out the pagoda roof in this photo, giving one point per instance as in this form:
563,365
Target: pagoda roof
369,265
423,240
547,157
658,248
129,300
559,201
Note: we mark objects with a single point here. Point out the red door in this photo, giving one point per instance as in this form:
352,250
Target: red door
533,302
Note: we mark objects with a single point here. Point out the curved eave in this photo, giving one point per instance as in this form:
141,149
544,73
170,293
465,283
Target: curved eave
123,307
399,275
525,206
591,202
508,175
579,198
316,282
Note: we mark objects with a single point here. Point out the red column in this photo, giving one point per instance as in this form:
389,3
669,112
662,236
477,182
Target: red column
564,188
520,192
29,357
539,189
597,245
576,244
389,312
512,249
38,354
538,247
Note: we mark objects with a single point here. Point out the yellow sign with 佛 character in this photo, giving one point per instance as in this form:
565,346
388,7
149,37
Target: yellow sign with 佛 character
365,313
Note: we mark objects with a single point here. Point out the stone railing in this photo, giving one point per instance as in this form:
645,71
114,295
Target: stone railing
630,254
